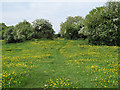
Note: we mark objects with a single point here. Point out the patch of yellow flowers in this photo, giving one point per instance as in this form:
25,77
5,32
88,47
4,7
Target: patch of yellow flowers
58,83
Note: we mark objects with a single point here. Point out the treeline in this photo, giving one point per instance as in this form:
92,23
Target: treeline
100,26
23,31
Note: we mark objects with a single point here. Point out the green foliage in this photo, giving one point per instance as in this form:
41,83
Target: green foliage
23,31
70,28
8,35
3,27
102,24
43,29
71,33
57,35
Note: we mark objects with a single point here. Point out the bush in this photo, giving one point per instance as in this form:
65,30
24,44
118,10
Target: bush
3,27
71,27
43,29
8,35
57,35
21,32
81,29
102,24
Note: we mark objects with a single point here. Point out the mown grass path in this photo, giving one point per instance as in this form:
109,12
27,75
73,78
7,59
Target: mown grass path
59,59
53,69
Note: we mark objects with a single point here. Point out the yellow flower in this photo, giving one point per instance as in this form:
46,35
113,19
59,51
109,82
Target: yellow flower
105,86
13,72
44,71
3,75
113,81
92,66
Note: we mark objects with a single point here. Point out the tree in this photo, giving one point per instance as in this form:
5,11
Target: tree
43,29
69,29
8,35
102,24
3,27
57,35
23,31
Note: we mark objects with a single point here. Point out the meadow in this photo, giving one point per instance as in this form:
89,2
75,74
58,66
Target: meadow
59,63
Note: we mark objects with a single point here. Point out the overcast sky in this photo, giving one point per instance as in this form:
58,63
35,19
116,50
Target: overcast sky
55,11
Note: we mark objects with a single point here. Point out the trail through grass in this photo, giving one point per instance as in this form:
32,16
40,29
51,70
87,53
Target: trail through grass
59,64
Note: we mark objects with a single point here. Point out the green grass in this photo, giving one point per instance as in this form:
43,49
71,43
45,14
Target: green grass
59,64
0,65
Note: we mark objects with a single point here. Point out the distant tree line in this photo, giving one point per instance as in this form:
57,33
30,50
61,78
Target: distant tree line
100,27
23,31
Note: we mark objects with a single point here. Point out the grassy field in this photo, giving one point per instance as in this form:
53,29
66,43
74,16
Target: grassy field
59,64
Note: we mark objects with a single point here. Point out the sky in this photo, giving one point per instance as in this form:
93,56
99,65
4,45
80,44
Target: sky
56,11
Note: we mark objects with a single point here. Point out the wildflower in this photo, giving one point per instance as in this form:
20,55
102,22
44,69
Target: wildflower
44,71
13,72
105,86
92,66
45,85
3,75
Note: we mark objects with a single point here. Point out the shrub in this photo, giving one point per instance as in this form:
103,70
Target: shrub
43,29
81,29
3,27
103,23
57,35
70,28
23,31
8,35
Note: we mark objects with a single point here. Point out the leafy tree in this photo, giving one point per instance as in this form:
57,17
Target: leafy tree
8,35
57,35
82,31
23,31
102,24
70,28
3,27
43,29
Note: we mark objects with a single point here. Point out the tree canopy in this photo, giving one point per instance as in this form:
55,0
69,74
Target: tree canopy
69,29
43,29
102,24
3,27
